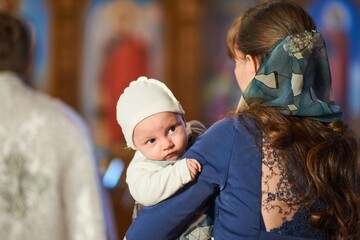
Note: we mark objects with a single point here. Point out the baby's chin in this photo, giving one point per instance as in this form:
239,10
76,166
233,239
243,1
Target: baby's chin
166,158
172,157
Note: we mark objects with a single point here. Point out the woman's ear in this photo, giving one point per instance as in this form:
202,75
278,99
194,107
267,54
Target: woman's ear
252,64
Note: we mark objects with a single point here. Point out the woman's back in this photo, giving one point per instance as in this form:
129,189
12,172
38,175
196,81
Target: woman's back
285,166
281,208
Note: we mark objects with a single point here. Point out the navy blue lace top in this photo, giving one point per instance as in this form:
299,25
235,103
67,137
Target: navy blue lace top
253,199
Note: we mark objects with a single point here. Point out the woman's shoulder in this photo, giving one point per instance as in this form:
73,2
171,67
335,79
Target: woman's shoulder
238,122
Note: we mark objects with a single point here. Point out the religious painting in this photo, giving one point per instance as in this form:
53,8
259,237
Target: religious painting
220,93
338,21
123,40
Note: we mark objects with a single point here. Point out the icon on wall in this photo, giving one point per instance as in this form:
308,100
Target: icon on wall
338,21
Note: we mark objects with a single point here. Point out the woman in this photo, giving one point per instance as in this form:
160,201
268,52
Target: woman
284,165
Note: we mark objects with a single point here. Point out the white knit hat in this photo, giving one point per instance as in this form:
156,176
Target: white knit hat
141,99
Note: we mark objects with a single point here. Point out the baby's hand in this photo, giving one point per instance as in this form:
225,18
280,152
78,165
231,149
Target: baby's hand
194,167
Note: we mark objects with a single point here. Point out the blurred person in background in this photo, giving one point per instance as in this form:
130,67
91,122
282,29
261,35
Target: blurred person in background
49,181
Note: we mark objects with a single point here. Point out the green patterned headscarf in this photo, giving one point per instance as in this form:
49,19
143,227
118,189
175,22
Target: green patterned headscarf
295,79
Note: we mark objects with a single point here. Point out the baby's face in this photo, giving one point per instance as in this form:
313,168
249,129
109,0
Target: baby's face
161,136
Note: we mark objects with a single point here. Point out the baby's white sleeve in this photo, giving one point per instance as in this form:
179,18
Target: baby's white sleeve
150,183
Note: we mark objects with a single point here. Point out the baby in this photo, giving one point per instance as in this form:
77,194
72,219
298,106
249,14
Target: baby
153,124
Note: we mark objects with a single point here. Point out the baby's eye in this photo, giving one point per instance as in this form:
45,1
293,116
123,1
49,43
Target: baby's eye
150,141
172,129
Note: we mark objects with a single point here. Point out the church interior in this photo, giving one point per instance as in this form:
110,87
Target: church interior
87,51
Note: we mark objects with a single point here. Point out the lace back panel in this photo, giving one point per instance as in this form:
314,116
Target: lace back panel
280,207
279,201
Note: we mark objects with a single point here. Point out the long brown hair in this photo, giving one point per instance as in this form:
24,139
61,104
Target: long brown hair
265,25
324,155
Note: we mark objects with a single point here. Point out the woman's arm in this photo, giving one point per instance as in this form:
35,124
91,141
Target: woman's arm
169,218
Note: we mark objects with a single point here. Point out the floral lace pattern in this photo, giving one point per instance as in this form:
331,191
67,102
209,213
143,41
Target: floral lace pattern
281,209
278,198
